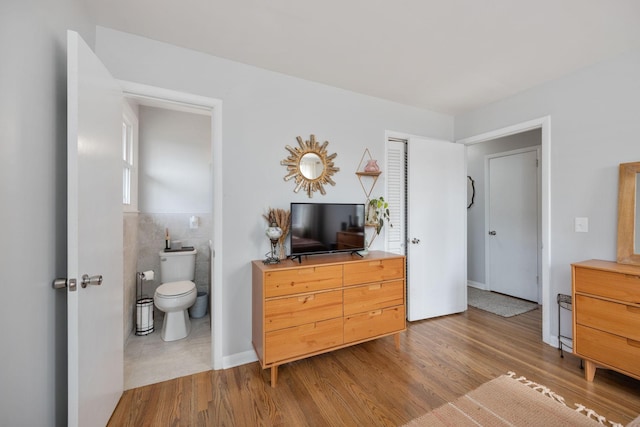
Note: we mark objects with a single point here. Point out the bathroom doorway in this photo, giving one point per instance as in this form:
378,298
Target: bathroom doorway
174,172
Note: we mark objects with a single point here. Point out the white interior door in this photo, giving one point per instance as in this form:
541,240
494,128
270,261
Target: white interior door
437,235
94,233
513,224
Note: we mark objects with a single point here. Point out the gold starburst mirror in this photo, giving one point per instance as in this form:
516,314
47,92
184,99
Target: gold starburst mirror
310,166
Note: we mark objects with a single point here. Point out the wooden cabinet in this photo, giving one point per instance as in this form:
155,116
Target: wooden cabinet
606,316
325,303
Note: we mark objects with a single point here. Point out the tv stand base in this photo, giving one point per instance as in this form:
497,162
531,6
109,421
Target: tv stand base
299,257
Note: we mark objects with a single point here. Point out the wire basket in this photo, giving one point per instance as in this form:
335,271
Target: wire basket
144,316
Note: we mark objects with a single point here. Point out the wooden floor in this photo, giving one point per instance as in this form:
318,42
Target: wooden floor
373,384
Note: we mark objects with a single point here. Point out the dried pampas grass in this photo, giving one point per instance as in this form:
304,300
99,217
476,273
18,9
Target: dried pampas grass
282,218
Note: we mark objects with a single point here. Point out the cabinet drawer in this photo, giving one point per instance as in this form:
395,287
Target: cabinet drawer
300,280
609,349
285,312
356,273
373,296
300,340
374,323
619,319
619,286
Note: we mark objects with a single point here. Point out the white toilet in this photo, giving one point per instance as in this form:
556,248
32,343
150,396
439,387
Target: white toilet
177,292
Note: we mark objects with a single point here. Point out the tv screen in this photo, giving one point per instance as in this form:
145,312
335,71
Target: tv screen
326,227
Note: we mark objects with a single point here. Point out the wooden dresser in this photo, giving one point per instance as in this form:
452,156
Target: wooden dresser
325,303
606,316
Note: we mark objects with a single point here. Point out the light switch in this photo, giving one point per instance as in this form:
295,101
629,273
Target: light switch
581,225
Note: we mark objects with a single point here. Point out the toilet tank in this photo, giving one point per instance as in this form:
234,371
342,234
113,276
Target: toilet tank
177,266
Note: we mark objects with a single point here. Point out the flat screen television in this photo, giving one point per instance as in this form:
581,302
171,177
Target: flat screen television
326,227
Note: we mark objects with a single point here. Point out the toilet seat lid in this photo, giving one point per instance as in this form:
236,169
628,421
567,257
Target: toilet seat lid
174,289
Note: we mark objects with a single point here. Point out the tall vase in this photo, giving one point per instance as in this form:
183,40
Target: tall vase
282,250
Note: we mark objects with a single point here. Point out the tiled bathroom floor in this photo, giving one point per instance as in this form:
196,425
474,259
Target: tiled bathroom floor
149,360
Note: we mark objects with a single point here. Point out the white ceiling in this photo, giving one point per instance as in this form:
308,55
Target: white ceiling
448,56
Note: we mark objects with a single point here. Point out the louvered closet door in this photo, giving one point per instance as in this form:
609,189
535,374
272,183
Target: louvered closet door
396,237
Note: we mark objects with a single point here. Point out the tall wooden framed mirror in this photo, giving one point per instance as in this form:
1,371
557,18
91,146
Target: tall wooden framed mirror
629,214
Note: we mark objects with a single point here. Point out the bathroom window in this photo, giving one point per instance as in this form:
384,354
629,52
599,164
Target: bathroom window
127,157
129,161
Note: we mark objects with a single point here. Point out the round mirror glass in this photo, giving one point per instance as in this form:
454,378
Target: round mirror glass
311,166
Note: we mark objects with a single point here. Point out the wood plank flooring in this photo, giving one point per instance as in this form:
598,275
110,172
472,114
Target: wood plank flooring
372,384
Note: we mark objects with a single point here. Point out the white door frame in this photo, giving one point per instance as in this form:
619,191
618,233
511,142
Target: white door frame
487,212
543,123
213,107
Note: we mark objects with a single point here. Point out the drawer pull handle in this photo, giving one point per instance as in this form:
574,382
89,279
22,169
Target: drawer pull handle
306,298
633,309
375,287
633,343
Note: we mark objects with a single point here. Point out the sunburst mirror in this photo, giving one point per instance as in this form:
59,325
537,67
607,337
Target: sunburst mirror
310,166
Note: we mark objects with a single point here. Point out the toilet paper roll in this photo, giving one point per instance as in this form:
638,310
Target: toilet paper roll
148,275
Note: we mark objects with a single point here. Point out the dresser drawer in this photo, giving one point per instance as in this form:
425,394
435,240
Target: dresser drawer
300,280
285,312
619,319
374,296
609,284
374,323
609,349
300,340
356,273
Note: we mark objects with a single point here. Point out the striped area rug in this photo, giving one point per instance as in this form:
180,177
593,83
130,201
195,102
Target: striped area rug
510,400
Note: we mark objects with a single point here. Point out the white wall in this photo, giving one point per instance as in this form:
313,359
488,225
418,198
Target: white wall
594,127
262,112
33,364
174,151
475,214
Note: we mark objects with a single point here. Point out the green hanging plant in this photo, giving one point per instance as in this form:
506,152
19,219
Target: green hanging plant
378,213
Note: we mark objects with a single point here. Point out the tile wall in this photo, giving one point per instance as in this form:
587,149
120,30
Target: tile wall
151,230
130,253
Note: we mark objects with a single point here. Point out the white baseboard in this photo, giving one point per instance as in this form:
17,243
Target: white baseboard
239,359
478,285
